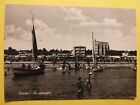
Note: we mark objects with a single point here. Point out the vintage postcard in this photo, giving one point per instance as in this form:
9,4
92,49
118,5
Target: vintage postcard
69,53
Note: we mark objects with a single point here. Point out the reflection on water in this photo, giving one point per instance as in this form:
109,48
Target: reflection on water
111,83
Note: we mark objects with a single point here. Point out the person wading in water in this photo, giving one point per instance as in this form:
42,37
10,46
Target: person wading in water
80,87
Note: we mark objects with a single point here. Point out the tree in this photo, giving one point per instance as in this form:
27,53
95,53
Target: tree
44,51
11,51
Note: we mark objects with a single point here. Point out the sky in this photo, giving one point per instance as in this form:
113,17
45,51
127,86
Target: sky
61,27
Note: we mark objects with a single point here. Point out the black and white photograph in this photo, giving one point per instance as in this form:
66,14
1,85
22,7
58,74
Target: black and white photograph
69,53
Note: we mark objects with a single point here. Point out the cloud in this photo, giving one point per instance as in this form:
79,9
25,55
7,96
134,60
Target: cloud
9,31
111,22
109,32
68,27
132,31
106,22
88,23
16,32
17,44
46,36
75,14
116,38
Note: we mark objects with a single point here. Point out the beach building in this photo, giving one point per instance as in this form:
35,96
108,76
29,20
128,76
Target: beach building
101,48
79,51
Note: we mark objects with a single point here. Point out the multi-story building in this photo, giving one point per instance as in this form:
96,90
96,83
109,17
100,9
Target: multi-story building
79,51
101,48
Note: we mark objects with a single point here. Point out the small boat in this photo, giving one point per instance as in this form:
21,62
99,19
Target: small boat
36,70
98,68
31,69
95,66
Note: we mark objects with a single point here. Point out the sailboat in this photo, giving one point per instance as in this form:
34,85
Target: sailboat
31,69
95,66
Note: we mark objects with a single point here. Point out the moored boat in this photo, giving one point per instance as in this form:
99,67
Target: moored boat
31,69
98,68
95,66
37,70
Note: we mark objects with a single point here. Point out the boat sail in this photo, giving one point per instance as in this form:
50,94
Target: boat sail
95,66
31,70
34,43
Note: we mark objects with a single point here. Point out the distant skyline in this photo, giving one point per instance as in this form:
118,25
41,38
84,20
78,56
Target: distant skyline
60,27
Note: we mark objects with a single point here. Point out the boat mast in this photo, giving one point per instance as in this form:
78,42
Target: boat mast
93,51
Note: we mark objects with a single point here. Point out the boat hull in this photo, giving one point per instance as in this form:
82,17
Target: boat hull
97,69
18,71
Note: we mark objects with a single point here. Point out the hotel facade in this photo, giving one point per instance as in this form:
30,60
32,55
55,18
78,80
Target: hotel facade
101,48
79,51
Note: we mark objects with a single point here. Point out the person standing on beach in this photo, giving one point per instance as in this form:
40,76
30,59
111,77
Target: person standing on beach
63,67
23,66
88,64
69,70
29,67
76,66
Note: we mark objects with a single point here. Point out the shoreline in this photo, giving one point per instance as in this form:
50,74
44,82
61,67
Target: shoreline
71,62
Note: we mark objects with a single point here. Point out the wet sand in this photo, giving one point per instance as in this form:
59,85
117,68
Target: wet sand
116,81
